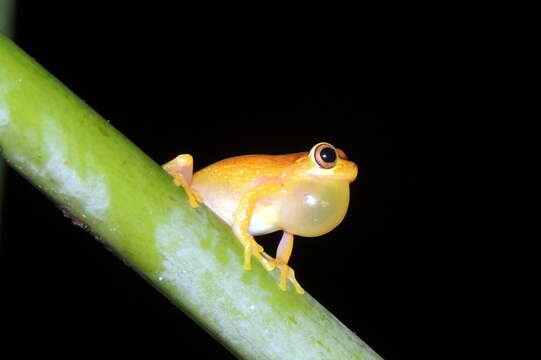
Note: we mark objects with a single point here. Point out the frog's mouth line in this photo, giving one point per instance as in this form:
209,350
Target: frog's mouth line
333,177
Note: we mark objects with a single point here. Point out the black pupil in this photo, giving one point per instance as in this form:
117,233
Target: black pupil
328,155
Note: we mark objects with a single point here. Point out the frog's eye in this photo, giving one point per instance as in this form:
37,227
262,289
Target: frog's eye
325,156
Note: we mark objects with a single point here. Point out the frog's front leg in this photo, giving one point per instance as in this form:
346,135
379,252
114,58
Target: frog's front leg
181,169
282,257
241,223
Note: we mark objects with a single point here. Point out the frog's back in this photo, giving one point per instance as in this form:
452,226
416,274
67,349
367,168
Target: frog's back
223,183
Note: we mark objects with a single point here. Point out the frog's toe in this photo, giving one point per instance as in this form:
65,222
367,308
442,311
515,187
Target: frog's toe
265,260
247,258
270,261
256,248
287,273
193,197
268,264
197,196
193,202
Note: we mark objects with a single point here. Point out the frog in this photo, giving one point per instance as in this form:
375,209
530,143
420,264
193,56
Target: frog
302,194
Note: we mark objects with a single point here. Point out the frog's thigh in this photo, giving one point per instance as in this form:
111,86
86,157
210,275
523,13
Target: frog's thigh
181,166
283,253
181,169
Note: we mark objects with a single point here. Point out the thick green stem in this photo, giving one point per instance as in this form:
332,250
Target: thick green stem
6,17
6,28
70,153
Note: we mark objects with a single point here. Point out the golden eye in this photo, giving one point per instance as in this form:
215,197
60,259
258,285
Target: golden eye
325,156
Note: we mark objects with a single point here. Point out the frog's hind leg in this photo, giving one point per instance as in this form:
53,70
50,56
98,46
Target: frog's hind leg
241,223
181,169
282,257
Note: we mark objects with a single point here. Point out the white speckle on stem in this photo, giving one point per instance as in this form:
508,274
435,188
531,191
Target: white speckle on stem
4,114
91,191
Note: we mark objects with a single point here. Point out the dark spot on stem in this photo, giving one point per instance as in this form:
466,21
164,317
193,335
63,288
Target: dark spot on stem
103,131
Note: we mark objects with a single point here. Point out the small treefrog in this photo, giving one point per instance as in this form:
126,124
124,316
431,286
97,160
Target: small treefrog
305,194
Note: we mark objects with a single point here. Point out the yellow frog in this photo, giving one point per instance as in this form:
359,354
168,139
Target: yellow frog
305,194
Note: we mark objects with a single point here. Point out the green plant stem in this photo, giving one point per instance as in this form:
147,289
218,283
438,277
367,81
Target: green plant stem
84,164
6,28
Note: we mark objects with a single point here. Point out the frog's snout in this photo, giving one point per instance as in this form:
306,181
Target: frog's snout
347,170
355,172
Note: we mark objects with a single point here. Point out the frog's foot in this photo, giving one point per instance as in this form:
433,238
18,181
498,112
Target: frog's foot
253,248
287,273
193,197
181,168
270,261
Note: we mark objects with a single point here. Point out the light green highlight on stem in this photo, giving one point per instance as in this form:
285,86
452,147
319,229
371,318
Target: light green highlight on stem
99,177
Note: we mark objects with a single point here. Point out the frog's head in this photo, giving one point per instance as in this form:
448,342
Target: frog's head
318,199
326,162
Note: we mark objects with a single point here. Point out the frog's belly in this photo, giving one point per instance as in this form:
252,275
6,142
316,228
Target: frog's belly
264,218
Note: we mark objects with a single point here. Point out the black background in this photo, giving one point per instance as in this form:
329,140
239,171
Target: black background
177,81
